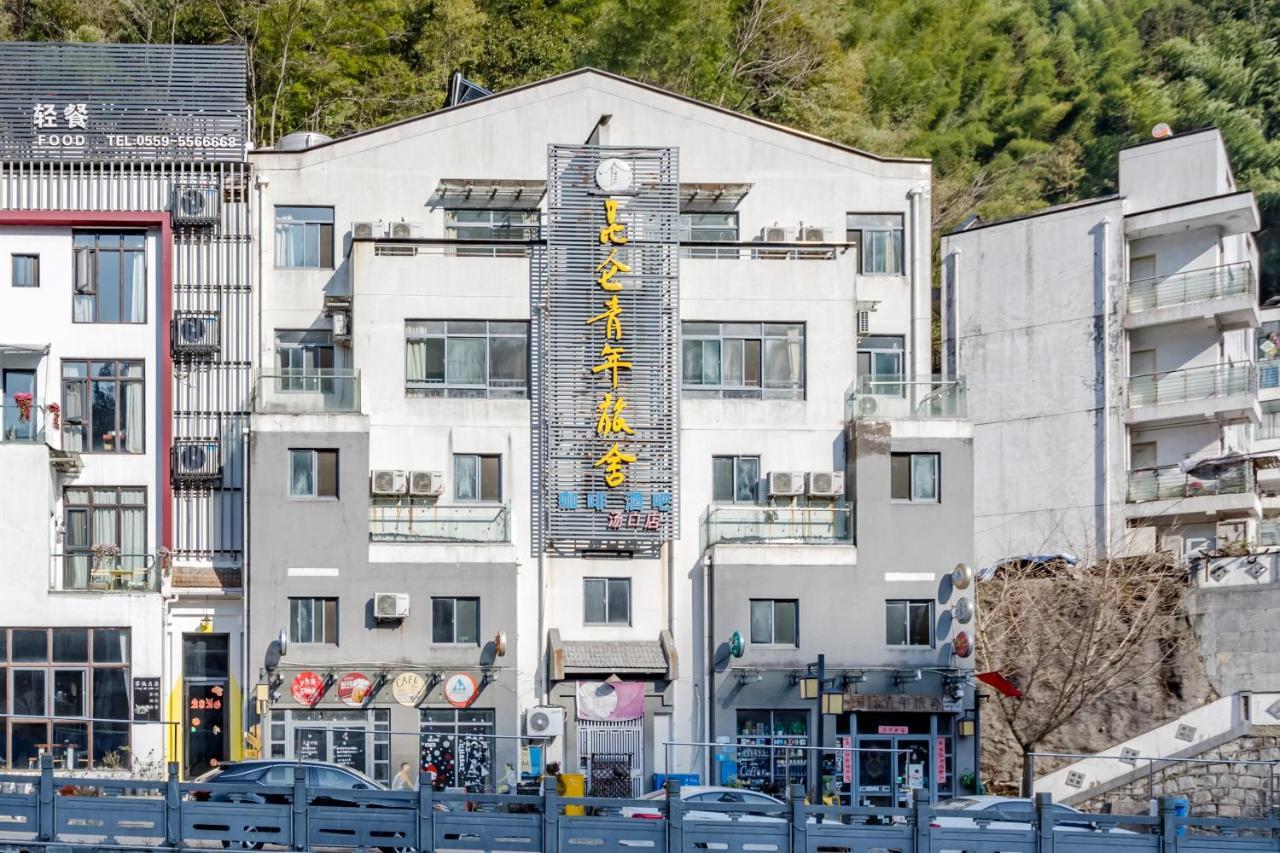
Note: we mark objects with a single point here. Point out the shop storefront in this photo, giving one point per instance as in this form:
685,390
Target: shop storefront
770,754
458,748
355,738
884,757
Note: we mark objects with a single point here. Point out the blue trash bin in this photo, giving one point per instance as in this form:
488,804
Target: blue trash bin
1181,808
685,779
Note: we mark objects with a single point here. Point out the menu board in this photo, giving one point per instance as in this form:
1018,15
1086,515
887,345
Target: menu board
349,748
760,767
146,700
474,762
309,744
754,768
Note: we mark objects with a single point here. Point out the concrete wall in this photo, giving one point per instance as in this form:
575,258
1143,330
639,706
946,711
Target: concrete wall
1237,633
1174,170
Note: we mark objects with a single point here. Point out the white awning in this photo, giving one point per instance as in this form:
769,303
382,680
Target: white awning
23,349
695,196
489,192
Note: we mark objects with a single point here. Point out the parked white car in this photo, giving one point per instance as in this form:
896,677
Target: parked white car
993,811
711,794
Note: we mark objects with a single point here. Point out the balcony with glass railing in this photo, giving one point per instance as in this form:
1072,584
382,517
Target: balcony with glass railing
1168,490
436,522
307,391
897,398
103,570
21,423
1225,390
747,524
1228,292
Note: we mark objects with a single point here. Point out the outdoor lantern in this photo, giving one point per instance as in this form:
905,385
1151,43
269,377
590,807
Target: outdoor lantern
967,726
833,703
809,686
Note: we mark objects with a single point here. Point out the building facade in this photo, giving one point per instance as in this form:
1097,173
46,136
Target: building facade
124,335
411,597
1109,351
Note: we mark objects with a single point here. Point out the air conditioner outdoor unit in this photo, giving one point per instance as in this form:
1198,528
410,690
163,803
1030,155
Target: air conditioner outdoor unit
544,721
812,234
194,332
786,483
341,326
426,483
404,230
367,230
774,234
196,460
826,484
195,205
389,606
867,405
387,482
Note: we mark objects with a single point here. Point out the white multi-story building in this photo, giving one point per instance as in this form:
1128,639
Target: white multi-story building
1108,348
398,608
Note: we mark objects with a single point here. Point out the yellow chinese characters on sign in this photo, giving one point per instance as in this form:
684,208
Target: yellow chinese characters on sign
611,423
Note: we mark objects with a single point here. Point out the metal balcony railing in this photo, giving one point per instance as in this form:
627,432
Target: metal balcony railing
753,250
1184,288
437,522
87,571
303,391
897,398
1170,483
828,525
1192,383
21,424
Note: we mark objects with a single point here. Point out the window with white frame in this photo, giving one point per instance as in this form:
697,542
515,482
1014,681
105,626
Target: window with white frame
304,237
110,284
455,620
915,477
745,360
313,620
606,601
492,225
477,477
775,622
313,473
467,358
735,479
908,622
877,238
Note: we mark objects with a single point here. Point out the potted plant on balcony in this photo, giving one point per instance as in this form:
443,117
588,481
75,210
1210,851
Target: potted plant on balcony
24,406
56,412
106,556
164,559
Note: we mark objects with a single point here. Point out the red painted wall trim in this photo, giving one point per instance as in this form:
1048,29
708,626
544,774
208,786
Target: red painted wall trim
164,370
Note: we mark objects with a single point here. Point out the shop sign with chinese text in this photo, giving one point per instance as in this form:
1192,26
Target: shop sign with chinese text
605,413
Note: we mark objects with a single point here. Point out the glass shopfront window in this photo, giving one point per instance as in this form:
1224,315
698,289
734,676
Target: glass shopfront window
458,747
764,761
360,740
897,753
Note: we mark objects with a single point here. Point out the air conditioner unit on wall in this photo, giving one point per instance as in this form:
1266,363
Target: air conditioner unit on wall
826,484
194,333
404,230
367,230
387,482
424,484
774,234
196,460
544,721
389,606
195,205
812,234
786,483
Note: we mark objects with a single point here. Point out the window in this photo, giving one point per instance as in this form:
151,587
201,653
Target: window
606,601
748,360
493,225
914,477
313,473
68,687
110,278
103,408
313,620
104,515
908,623
709,228
467,358
304,237
305,360
459,744
477,477
735,479
880,360
455,620
25,270
768,766
774,622
877,238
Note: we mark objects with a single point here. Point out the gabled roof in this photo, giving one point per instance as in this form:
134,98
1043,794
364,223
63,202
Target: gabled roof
587,70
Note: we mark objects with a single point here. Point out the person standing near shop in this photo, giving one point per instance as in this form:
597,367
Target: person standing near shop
403,781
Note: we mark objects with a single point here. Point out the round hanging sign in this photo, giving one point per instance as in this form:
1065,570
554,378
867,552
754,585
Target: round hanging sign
736,644
459,690
962,575
964,611
963,646
407,688
353,688
614,175
307,688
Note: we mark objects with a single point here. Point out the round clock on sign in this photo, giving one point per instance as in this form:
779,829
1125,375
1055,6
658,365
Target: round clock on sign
614,175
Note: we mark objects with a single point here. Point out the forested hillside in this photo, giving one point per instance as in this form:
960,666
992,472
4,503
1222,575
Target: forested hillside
1020,103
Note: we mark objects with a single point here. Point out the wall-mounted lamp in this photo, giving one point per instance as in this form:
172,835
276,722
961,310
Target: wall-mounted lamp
967,725
833,703
809,686
206,625
906,676
848,679
749,676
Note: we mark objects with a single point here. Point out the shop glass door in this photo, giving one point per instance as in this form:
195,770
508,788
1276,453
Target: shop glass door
875,772
911,756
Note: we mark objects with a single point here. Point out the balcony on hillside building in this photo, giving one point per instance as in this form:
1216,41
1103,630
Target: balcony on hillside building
1226,295
740,524
307,391
1223,392
22,422
896,398
1168,491
103,570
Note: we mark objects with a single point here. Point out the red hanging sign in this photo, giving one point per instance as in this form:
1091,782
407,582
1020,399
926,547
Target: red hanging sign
940,747
307,688
353,688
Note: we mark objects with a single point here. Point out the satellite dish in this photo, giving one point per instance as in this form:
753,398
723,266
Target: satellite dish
282,640
1161,131
962,576
500,644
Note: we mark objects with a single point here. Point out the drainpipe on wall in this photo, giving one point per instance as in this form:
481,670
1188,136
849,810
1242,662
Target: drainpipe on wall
1106,388
914,194
708,668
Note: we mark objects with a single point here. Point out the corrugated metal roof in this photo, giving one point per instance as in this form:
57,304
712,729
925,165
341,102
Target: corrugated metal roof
614,656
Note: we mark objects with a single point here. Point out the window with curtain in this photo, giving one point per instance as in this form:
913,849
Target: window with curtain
455,620
908,623
914,477
743,360
304,237
493,225
735,479
467,358
103,407
102,515
305,361
70,689
25,270
877,238
110,277
313,473
775,622
477,477
606,601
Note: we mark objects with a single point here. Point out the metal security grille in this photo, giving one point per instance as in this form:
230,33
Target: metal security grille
611,752
575,508
122,102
